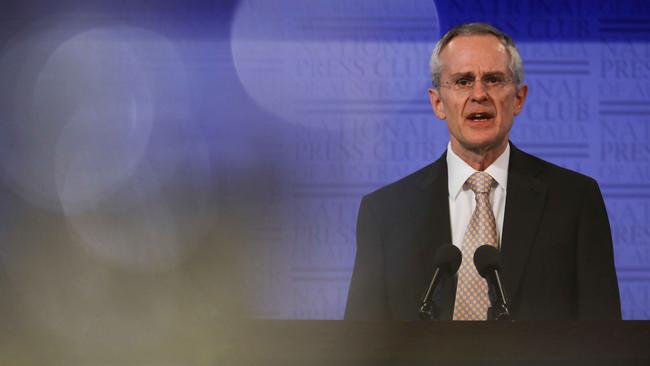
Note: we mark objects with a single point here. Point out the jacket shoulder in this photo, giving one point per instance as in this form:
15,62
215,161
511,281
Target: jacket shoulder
551,173
409,185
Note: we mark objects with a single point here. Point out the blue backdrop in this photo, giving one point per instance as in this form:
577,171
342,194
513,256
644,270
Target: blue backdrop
180,161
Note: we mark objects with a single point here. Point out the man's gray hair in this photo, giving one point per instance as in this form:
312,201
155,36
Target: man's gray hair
516,65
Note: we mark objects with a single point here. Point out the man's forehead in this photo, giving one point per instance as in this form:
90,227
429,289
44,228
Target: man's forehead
473,40
466,53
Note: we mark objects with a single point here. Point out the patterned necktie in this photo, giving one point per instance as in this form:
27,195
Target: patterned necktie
471,293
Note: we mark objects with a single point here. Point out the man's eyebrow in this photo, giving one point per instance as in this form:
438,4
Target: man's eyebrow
492,73
471,74
462,74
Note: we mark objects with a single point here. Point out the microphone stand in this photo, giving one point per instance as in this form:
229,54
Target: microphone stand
500,310
427,311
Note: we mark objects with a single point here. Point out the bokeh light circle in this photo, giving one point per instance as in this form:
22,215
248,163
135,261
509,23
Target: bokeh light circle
305,61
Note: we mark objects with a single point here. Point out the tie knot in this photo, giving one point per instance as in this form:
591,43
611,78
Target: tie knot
480,182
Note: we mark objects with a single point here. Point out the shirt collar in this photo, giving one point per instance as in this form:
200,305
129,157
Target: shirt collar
458,171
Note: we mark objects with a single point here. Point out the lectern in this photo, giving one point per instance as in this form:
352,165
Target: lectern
439,343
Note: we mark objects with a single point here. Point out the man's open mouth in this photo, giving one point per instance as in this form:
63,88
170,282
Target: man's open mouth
482,116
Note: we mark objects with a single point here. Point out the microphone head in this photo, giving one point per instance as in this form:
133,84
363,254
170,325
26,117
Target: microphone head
448,258
487,259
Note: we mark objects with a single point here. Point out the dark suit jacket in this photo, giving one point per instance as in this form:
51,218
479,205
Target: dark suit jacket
556,246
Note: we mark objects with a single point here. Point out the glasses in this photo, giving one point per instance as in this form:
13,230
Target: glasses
466,83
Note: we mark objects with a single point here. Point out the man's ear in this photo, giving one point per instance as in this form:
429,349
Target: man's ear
520,98
437,104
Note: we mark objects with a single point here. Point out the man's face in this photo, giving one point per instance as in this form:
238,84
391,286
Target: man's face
479,118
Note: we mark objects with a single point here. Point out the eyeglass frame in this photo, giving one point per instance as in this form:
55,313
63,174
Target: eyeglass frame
471,79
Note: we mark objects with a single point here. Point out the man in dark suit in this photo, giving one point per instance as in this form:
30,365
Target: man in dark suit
549,223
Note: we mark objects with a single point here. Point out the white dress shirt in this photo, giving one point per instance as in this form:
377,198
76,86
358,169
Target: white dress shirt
461,199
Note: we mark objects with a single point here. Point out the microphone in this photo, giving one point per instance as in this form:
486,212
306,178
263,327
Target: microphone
446,262
488,265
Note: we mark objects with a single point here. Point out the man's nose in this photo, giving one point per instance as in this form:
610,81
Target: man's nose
478,90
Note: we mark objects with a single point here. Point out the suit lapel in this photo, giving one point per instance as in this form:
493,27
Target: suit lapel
525,200
430,213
